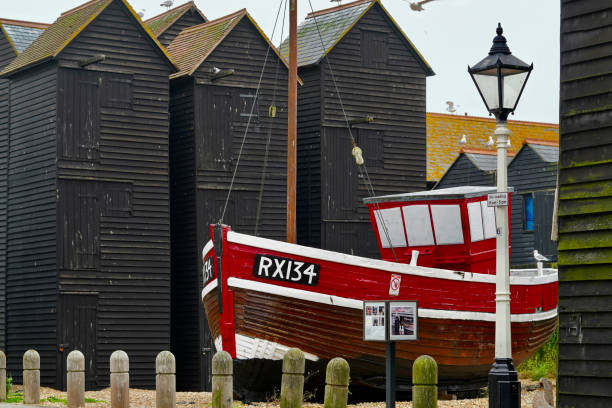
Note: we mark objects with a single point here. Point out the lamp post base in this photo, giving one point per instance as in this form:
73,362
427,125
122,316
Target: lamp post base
504,386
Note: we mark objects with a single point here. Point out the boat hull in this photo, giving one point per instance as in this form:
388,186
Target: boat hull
260,318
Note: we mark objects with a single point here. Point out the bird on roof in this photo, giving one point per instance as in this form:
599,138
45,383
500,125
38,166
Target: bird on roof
490,142
539,257
463,141
418,6
167,4
336,1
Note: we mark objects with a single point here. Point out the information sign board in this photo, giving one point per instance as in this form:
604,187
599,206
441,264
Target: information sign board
402,321
374,322
497,199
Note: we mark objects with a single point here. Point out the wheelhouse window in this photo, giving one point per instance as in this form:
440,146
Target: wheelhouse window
390,227
418,225
528,212
447,224
482,221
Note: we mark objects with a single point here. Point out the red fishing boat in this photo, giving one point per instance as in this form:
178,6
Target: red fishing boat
263,297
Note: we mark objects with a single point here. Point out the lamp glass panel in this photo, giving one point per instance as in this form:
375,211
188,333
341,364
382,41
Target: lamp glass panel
512,88
487,84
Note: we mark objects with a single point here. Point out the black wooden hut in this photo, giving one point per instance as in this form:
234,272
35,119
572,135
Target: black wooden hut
473,167
381,82
88,195
219,90
168,25
533,174
585,206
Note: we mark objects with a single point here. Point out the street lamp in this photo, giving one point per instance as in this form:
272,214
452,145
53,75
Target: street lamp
500,79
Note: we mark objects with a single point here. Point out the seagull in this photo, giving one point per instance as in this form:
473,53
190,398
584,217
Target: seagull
490,142
141,13
539,257
463,141
167,4
419,5
452,108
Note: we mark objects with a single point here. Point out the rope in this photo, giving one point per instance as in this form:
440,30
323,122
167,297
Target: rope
249,121
362,168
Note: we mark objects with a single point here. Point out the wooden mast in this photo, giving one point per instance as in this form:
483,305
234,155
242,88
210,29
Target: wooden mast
292,128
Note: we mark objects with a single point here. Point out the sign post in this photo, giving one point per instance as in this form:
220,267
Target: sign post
390,321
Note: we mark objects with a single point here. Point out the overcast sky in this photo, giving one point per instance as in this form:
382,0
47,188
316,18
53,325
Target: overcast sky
450,34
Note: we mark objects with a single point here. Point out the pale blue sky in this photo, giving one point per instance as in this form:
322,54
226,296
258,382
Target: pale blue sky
450,34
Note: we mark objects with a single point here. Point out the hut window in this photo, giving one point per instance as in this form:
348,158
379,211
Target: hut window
373,49
249,107
116,91
447,224
389,222
418,225
117,201
528,212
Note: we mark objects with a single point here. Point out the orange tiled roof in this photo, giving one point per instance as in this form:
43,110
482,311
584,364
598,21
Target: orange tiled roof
445,130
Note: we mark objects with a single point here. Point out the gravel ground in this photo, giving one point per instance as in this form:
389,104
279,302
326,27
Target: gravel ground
146,399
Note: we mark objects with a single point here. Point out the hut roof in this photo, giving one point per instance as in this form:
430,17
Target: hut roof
333,24
21,33
547,150
194,44
160,23
65,29
485,160
445,130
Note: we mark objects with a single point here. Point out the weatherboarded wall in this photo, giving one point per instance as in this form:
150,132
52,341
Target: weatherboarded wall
531,176
209,118
31,208
388,85
7,53
585,206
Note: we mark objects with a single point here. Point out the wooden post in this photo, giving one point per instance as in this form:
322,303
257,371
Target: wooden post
222,380
165,381
120,379
31,377
2,376
75,379
425,383
292,384
336,383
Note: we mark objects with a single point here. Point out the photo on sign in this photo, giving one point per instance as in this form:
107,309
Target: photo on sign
403,320
374,321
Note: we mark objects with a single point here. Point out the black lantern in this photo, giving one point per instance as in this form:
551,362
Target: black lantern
500,78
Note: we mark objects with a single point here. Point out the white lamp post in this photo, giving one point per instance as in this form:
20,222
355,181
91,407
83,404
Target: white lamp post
500,79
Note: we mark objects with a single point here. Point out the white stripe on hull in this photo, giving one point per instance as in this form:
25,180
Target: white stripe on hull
358,304
251,347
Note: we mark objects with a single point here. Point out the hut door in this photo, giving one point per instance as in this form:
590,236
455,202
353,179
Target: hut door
77,331
78,115
543,202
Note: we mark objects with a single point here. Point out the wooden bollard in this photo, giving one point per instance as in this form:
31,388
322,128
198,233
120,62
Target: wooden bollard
2,376
165,380
75,379
222,380
120,379
31,377
336,383
292,383
425,383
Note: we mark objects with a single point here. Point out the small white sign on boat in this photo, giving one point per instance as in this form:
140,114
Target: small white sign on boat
497,200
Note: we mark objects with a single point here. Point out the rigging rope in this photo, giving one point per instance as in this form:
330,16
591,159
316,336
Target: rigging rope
362,167
249,121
